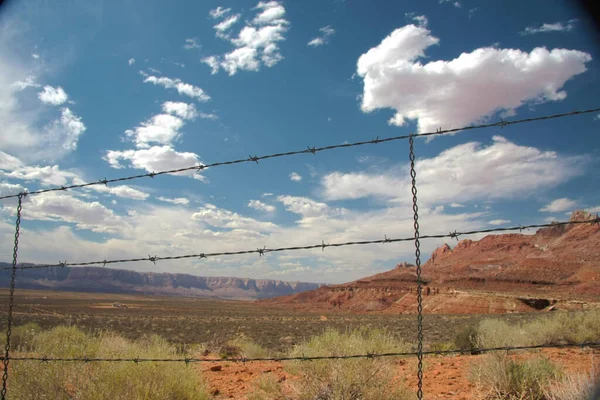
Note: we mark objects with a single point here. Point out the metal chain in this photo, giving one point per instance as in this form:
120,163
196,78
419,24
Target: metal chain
413,175
11,298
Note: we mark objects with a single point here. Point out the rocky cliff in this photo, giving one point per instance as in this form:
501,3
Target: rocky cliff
96,279
556,267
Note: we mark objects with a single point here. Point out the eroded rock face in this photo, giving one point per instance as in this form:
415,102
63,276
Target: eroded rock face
500,273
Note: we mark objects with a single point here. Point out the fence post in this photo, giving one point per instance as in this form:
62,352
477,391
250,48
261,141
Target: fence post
413,175
11,298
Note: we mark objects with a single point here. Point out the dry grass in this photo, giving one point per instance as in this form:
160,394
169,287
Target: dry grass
99,381
498,376
368,379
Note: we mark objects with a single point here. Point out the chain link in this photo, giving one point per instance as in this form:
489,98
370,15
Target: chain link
413,175
11,298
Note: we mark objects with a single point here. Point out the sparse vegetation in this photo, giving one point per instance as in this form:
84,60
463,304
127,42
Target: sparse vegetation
98,381
560,327
500,377
347,379
572,387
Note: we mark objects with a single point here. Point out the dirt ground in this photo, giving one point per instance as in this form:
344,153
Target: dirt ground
444,377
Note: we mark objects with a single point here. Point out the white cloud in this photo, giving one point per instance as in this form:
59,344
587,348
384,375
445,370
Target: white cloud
55,96
124,191
191,43
178,200
456,205
65,132
156,158
558,205
295,177
35,56
499,221
326,33
303,206
47,175
260,206
472,11
256,43
267,194
161,129
7,189
29,81
448,93
182,110
131,61
462,173
457,4
58,206
555,27
272,12
222,218
593,210
219,12
223,26
182,88
9,162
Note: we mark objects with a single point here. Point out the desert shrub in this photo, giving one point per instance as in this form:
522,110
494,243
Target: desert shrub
267,388
22,336
500,377
559,327
466,338
572,387
364,378
442,346
247,348
102,380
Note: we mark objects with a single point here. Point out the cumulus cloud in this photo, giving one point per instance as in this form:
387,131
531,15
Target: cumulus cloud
178,200
7,189
131,61
184,89
225,25
55,96
326,33
256,43
222,218
448,93
155,158
161,129
182,110
295,177
554,27
462,173
499,221
456,205
302,205
558,205
260,206
64,207
593,210
191,43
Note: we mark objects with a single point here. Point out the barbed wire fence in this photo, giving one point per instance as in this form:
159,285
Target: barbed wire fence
416,238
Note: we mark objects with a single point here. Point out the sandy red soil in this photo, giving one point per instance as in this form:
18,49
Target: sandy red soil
444,377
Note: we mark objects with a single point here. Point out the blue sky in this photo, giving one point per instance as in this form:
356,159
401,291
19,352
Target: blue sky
109,89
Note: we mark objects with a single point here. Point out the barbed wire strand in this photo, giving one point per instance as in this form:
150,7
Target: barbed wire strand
11,300
309,150
415,207
307,358
263,251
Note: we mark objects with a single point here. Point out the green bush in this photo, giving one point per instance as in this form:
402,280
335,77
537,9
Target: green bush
500,377
368,379
31,380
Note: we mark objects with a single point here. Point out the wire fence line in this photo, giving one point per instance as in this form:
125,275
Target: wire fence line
416,238
582,345
263,251
309,150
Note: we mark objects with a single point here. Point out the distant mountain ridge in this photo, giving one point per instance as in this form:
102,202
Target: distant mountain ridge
107,280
